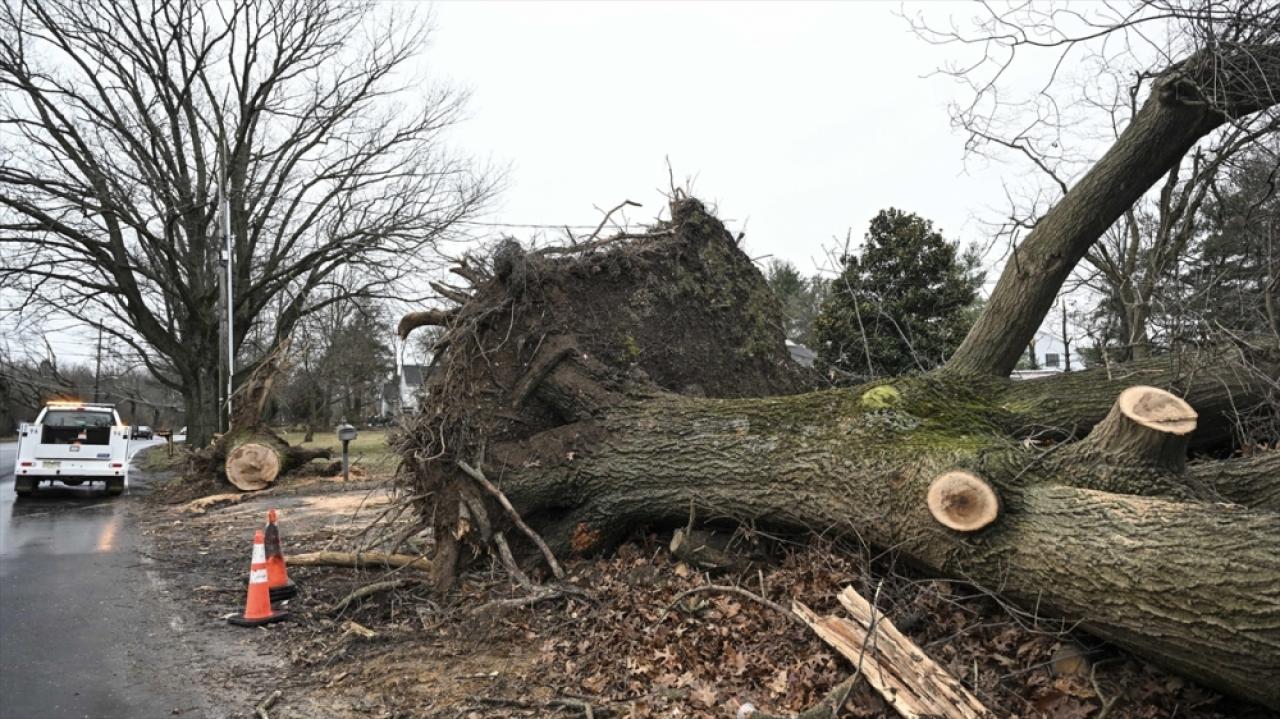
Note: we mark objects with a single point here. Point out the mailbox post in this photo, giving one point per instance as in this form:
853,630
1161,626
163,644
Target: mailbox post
346,433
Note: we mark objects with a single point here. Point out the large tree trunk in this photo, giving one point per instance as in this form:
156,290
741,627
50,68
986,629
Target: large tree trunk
1152,564
200,405
255,458
613,384
1186,103
250,455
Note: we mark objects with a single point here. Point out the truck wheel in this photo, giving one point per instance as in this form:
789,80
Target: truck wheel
24,486
115,487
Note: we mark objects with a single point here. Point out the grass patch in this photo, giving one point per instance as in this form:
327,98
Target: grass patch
157,459
369,450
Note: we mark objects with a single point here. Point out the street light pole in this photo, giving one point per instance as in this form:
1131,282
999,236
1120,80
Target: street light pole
230,253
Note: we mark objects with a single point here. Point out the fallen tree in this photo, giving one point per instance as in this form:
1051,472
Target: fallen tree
250,455
614,384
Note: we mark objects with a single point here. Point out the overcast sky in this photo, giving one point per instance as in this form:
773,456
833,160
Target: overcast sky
798,120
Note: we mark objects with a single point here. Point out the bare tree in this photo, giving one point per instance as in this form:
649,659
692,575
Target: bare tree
119,120
1205,69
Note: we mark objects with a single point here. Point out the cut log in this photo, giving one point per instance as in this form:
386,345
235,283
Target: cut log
962,501
1146,425
253,463
910,682
255,459
1132,568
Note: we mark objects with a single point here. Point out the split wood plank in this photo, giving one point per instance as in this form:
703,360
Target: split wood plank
910,682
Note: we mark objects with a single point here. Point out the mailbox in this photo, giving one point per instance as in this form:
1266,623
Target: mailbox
346,432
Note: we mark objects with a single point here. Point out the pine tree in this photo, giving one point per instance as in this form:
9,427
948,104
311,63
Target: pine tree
903,304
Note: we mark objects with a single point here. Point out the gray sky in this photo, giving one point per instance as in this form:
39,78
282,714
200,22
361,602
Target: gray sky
798,120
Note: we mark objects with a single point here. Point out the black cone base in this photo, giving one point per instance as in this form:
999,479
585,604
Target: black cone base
288,591
239,620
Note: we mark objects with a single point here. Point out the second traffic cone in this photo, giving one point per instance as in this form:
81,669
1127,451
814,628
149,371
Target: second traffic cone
257,606
277,572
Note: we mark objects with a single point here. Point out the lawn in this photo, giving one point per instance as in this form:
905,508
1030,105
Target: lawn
369,450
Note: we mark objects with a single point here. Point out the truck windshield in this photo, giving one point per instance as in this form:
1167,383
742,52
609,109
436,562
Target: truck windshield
77,419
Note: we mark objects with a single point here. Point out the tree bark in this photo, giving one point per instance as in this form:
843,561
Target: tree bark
1217,381
1189,583
1249,481
200,404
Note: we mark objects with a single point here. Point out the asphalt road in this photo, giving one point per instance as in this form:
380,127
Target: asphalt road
82,631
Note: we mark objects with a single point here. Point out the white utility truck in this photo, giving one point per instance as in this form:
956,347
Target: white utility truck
73,443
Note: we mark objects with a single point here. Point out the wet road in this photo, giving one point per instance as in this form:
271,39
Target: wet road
79,620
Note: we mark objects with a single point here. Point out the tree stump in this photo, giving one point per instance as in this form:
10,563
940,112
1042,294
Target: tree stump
1146,425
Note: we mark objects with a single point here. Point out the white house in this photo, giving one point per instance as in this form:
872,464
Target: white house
400,393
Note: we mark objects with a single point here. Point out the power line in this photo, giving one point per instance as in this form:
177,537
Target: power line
524,225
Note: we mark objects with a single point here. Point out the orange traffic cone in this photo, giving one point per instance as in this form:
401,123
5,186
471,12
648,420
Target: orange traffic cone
277,573
257,606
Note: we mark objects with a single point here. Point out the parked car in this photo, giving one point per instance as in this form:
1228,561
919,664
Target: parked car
142,431
73,443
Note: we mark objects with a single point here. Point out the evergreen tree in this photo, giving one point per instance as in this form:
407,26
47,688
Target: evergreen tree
1231,280
904,304
801,299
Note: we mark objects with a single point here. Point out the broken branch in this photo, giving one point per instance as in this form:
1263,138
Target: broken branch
479,477
358,560
372,589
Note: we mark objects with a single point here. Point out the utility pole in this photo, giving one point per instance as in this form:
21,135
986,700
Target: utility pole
231,305
97,369
228,365
1066,343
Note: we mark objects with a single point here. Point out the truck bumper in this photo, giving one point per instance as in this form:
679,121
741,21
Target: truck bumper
92,474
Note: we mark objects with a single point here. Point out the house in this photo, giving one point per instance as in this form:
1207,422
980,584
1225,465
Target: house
1051,358
400,393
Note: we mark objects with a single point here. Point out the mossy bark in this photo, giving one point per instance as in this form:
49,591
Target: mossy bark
1188,582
